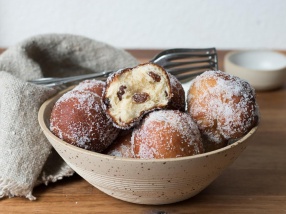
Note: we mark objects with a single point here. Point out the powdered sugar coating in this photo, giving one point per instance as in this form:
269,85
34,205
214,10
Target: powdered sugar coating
78,118
166,134
122,147
222,105
92,85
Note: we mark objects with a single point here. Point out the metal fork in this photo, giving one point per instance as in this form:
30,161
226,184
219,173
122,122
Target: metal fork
184,63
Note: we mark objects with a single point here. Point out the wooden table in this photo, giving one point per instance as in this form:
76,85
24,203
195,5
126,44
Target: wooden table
255,183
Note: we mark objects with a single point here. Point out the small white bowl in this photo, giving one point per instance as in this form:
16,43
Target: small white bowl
264,70
155,181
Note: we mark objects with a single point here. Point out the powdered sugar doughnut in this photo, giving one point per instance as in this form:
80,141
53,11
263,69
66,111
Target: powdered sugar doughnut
122,147
78,118
167,134
91,85
132,92
223,106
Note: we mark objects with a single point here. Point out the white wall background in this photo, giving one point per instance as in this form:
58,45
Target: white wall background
144,24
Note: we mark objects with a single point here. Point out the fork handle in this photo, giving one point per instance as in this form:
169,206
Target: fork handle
54,81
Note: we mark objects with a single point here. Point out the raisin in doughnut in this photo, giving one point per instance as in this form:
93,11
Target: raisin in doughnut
78,118
166,134
122,147
91,85
223,106
132,92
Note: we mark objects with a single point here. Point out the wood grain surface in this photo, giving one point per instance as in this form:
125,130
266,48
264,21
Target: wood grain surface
255,183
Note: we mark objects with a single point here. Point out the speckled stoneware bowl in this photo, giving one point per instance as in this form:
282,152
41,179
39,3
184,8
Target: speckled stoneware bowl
160,181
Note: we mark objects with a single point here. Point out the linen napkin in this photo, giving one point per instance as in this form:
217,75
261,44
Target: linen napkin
26,157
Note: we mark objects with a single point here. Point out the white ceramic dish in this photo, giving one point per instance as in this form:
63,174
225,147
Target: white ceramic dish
264,70
160,181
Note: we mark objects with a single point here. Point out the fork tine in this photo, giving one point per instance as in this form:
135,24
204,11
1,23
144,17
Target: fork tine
188,69
189,76
182,56
176,64
189,55
184,50
176,56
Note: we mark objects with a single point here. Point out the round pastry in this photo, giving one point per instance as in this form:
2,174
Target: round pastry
166,134
132,92
78,118
122,147
178,101
223,106
92,85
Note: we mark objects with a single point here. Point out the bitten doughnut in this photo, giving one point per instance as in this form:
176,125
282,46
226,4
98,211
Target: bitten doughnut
223,106
132,92
91,85
122,147
78,118
166,134
178,101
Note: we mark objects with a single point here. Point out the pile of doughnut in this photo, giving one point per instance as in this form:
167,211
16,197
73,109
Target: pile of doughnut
144,112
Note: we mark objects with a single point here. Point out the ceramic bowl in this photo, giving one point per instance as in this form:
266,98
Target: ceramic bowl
157,181
263,69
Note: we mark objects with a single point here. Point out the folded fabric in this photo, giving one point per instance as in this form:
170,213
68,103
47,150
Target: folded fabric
26,157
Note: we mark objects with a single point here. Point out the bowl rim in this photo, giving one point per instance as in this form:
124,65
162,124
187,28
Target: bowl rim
46,130
228,59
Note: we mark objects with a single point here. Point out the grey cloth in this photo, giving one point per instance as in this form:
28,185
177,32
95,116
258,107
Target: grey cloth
26,157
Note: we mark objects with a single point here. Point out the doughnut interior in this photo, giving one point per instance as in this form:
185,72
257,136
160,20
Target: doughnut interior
134,91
